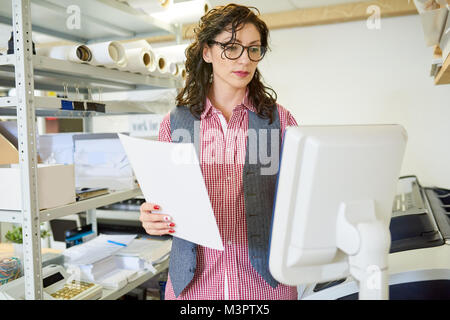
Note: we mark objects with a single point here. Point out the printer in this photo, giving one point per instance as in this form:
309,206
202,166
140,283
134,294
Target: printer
419,258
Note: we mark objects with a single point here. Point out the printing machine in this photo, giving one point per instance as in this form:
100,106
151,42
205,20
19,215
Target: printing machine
419,258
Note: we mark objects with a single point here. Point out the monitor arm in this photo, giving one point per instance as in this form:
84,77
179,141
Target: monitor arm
366,240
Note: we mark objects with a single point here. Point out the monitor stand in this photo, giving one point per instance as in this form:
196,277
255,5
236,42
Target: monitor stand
366,240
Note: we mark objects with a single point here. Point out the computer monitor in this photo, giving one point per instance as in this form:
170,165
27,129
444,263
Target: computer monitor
335,191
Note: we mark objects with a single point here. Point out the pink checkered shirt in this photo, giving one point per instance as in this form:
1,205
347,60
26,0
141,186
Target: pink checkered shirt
222,158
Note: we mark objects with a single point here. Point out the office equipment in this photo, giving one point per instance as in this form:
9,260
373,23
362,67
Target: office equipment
79,235
57,285
412,224
100,162
175,174
334,198
439,202
419,259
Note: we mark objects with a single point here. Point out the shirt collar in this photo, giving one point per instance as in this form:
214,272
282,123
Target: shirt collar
209,109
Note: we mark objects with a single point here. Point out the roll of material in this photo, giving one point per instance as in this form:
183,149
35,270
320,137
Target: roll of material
139,60
162,67
109,54
130,47
184,12
143,44
151,6
173,69
77,53
173,53
181,72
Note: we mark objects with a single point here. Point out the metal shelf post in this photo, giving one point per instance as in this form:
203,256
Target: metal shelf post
21,10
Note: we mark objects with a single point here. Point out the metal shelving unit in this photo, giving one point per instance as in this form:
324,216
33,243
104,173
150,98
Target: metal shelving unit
23,70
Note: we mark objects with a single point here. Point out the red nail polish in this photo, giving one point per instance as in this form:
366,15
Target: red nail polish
156,207
171,231
172,224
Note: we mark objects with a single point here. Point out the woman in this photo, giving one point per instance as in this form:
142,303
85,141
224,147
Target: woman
225,96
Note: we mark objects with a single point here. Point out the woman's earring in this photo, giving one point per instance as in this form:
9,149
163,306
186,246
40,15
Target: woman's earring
211,77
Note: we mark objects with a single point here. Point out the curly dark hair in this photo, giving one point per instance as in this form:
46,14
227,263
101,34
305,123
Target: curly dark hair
230,17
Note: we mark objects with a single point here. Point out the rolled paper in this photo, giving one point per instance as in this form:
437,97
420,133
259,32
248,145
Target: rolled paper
173,53
162,67
77,53
109,54
139,60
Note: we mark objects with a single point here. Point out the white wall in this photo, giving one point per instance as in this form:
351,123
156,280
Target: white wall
347,74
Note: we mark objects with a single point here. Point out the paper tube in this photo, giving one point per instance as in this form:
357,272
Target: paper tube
143,45
181,72
150,6
162,67
184,12
139,60
78,53
109,54
136,44
173,53
173,69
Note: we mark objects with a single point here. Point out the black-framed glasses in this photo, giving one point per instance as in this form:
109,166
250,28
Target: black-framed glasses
235,50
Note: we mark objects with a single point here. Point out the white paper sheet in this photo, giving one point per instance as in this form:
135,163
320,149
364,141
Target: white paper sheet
96,249
169,175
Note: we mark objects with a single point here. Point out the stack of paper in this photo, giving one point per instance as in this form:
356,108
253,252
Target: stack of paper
95,271
143,254
97,249
115,260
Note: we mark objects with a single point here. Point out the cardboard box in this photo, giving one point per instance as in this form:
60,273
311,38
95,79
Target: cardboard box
8,151
56,186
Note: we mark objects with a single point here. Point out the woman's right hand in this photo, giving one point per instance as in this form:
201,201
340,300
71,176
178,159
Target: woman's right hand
155,224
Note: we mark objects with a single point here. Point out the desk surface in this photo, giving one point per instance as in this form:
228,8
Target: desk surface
7,250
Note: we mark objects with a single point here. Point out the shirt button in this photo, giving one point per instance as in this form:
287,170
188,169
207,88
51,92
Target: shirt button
230,243
228,178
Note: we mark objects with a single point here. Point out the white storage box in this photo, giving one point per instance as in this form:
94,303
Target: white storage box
56,186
